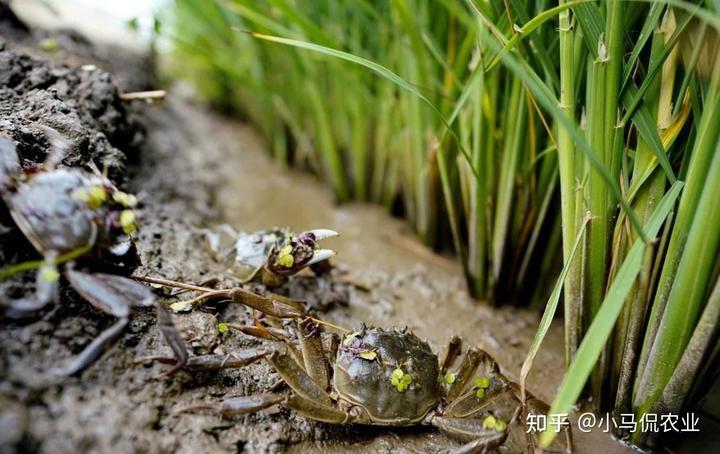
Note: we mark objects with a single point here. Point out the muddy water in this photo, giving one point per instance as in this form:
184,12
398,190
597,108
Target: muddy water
408,284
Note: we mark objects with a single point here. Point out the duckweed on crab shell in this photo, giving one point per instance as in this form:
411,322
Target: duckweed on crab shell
400,383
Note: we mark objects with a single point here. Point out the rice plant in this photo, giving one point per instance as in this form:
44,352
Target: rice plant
640,310
469,116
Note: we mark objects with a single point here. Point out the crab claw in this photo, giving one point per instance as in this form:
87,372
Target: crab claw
321,234
300,251
320,255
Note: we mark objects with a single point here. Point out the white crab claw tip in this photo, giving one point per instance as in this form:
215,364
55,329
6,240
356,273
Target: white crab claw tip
320,255
321,234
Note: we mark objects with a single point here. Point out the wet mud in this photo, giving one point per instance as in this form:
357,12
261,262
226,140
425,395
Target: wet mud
194,170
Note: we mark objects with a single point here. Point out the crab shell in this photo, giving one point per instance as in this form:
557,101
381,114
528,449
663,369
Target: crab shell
367,383
52,217
49,216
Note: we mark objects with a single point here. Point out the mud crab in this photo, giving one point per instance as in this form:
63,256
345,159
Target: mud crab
373,376
271,255
66,214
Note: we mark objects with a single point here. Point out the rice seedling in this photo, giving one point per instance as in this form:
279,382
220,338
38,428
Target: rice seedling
461,153
634,298
469,116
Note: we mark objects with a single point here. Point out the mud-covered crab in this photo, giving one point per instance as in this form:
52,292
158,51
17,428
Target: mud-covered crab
271,255
374,376
67,214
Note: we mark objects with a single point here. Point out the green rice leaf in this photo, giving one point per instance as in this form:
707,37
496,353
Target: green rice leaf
602,325
550,308
378,69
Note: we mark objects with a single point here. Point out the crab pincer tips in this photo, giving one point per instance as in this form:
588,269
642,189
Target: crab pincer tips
321,234
320,255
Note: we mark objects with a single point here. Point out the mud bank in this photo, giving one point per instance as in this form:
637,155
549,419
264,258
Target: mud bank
193,170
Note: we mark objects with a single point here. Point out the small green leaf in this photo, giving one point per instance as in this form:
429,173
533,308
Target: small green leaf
96,196
490,422
480,393
222,328
400,380
181,306
496,424
127,221
368,355
49,273
483,382
50,44
124,199
450,378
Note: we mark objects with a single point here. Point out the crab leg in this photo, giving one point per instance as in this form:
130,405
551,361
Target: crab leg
316,410
213,362
451,354
296,377
46,290
481,439
535,406
272,334
332,348
467,369
313,353
237,406
22,308
275,306
115,295
260,331
469,403
93,351
172,337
